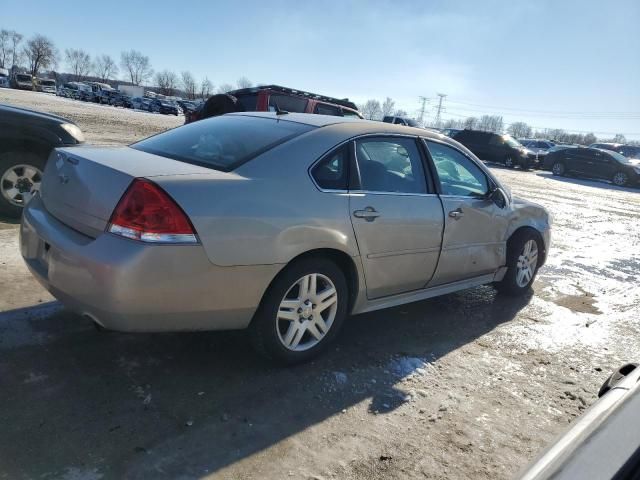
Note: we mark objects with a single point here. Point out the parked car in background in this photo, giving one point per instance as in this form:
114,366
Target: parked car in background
166,107
269,98
409,122
594,163
104,94
46,85
539,147
494,147
451,132
22,81
629,151
4,78
70,90
136,103
121,100
26,139
211,194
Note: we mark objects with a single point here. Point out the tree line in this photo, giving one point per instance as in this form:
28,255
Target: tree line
39,54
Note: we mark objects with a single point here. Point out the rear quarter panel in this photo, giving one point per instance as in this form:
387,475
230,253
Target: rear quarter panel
268,211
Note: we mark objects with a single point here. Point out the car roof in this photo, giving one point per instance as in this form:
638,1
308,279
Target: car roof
317,120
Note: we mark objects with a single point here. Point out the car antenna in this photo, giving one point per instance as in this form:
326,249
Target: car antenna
278,111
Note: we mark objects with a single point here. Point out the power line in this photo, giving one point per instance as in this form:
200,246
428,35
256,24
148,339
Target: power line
494,107
424,102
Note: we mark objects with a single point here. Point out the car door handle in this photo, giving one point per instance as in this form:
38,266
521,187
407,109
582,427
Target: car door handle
456,214
369,214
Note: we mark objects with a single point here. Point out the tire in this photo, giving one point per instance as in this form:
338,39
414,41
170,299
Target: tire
508,162
558,169
271,332
15,165
523,262
620,179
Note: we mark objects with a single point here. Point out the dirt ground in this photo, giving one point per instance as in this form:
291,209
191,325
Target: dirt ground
469,385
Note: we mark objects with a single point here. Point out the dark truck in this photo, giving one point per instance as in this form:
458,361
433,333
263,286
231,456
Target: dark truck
271,98
26,139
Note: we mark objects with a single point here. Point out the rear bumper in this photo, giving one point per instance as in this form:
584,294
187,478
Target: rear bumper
130,286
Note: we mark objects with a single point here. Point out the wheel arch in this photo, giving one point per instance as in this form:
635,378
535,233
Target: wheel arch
533,229
343,260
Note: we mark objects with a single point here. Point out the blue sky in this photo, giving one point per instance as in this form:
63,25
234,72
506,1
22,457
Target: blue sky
559,64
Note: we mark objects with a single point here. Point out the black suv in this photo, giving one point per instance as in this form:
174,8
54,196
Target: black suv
26,139
498,148
594,163
409,122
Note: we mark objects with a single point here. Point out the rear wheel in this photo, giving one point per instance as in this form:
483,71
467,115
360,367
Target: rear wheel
524,251
301,312
558,169
509,162
20,177
620,179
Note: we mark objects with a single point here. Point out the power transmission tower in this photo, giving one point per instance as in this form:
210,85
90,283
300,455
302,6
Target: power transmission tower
424,103
442,96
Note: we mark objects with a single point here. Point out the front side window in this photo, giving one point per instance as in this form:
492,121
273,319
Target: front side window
390,165
458,174
249,101
332,172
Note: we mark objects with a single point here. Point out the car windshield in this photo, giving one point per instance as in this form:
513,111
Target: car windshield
512,142
412,123
23,78
47,82
222,143
618,156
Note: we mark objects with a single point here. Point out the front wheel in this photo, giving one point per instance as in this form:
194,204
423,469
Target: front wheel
620,179
523,256
20,177
558,169
301,312
508,162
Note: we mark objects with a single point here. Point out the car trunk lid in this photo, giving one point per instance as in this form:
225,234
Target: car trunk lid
82,186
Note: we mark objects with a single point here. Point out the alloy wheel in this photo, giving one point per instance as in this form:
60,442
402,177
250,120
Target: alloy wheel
557,169
527,263
19,183
508,162
307,312
620,179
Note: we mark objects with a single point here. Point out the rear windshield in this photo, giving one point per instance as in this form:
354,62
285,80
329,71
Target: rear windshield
222,143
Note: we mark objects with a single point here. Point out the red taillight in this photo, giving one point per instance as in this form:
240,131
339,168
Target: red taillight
147,213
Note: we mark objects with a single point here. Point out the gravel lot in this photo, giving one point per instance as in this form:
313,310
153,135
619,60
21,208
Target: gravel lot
470,385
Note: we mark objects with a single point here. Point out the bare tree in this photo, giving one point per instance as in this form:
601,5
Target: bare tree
5,49
388,106
589,138
205,88
400,113
470,123
105,67
619,138
491,123
189,85
244,82
79,62
41,54
519,130
16,54
137,66
372,110
167,82
224,88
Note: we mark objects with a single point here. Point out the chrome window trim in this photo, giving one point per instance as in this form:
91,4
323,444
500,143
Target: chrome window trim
401,194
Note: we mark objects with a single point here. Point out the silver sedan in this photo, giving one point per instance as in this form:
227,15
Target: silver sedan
281,223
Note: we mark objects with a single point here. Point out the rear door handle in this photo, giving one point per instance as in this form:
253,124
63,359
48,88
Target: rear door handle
456,214
369,214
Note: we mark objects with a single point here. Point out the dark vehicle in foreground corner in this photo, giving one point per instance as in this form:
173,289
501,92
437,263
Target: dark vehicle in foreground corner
26,138
604,443
409,122
594,163
271,98
166,107
497,148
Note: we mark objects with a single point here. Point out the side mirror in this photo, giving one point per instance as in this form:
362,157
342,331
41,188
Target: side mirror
497,197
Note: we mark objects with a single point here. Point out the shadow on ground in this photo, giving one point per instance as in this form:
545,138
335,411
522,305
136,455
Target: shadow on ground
177,405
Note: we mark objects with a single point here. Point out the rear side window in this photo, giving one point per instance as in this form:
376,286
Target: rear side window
324,109
332,172
289,104
222,143
248,101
